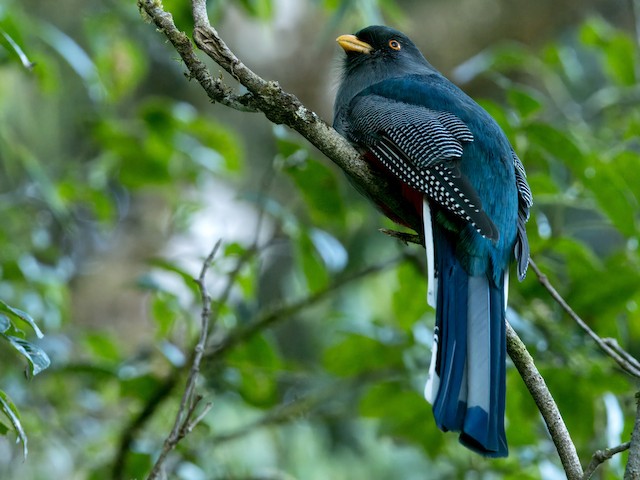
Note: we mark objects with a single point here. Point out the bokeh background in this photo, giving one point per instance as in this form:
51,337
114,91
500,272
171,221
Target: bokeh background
117,177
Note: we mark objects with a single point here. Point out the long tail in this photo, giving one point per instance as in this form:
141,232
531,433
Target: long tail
466,383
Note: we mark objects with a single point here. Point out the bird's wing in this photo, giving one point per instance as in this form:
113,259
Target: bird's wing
420,146
525,202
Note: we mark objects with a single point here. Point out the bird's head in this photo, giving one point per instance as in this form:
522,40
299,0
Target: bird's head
382,50
375,54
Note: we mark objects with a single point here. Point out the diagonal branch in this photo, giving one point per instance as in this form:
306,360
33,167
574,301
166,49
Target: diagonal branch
546,404
609,346
268,97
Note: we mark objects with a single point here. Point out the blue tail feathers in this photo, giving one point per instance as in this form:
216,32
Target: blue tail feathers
470,356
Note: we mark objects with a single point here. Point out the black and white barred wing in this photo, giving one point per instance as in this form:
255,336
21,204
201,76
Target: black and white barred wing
525,202
421,147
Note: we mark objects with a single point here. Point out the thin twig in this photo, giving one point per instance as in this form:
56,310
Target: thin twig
632,471
615,346
183,422
169,384
191,425
540,392
263,320
625,360
601,456
211,317
404,237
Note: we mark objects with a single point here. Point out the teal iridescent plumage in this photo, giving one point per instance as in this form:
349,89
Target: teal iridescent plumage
459,171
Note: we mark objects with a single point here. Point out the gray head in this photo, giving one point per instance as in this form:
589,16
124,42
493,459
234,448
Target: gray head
374,54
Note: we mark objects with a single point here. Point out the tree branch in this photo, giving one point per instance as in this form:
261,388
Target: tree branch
601,456
214,87
184,422
261,321
632,471
277,105
538,388
609,346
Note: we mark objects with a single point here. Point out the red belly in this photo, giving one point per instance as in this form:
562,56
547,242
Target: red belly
409,195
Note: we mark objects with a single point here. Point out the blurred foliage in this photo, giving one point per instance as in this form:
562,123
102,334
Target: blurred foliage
327,325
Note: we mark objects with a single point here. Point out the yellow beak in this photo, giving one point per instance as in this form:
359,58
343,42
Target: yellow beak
350,43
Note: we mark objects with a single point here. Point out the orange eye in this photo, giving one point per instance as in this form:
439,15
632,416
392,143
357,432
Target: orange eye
395,44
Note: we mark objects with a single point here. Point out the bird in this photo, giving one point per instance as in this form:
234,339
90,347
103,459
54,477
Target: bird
453,166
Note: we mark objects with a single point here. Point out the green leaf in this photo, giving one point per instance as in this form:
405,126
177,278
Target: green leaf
358,353
541,184
37,358
11,412
186,277
165,143
234,249
140,386
21,315
621,60
261,9
609,183
5,323
313,267
403,413
617,48
503,57
556,143
216,140
522,414
526,101
330,249
600,301
166,310
499,114
138,464
574,399
318,185
409,296
12,46
257,363
595,31
103,346
616,186
121,65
